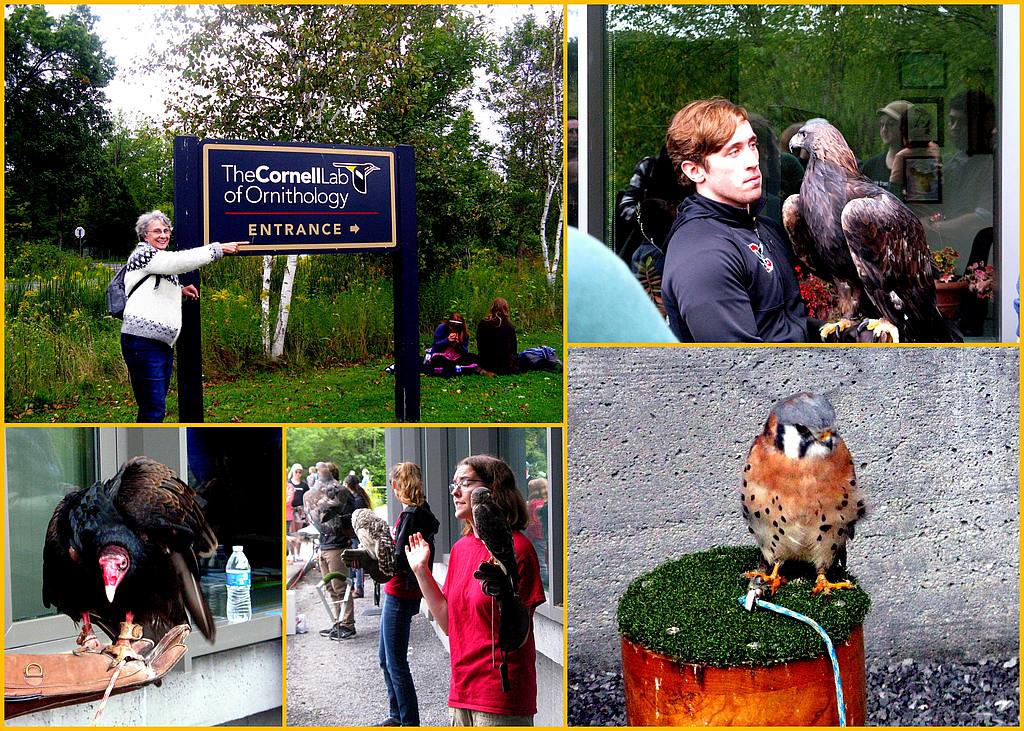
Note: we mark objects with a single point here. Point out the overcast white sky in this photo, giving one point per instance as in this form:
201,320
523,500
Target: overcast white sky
128,31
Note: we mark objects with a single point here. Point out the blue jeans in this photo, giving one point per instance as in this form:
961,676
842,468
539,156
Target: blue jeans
149,367
395,623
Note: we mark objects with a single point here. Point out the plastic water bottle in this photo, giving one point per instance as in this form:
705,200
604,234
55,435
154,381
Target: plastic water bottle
238,580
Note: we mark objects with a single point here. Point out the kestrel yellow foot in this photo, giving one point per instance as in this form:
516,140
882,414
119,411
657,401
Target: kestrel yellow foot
824,585
835,328
773,581
883,328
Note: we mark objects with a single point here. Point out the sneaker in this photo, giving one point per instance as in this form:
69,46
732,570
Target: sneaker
389,721
345,633
329,631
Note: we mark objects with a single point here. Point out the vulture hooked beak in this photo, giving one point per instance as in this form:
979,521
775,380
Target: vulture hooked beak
114,562
796,142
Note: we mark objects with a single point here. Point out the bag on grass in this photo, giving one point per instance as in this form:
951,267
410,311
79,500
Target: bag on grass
542,358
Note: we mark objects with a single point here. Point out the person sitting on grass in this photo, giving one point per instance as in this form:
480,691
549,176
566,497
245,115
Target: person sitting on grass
449,355
496,340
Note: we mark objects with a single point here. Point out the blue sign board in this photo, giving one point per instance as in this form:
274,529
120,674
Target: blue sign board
295,198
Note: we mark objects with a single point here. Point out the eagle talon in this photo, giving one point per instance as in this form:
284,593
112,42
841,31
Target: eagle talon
835,328
882,329
824,585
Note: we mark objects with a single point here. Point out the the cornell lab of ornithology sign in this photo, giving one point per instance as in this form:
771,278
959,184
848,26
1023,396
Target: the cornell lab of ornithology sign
309,198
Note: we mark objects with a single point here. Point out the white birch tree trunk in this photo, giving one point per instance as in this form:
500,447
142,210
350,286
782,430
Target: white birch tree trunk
268,268
554,182
284,307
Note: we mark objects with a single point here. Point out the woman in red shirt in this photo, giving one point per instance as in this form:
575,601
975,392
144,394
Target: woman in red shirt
470,617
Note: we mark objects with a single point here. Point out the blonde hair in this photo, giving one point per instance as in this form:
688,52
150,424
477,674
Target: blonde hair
407,481
498,478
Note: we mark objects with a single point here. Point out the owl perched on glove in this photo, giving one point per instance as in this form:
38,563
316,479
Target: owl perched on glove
800,495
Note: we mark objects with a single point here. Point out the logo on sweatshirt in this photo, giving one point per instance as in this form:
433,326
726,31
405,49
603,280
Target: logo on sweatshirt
768,264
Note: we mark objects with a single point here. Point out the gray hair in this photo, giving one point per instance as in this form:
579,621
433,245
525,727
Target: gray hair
147,218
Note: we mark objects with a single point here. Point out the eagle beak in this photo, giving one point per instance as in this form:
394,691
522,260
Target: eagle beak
796,142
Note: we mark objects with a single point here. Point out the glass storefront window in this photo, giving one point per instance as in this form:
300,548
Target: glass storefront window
922,79
235,471
43,465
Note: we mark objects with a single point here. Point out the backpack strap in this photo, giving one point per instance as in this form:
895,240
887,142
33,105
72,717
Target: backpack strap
139,284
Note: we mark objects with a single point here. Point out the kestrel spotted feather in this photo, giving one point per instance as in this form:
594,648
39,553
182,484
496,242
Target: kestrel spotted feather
800,493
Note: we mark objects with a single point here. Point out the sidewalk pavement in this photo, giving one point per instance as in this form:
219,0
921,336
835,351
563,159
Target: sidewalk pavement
331,683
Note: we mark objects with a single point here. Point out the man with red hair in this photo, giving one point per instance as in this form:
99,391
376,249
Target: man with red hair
728,273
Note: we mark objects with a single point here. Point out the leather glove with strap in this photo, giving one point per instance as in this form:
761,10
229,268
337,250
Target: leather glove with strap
514,621
38,682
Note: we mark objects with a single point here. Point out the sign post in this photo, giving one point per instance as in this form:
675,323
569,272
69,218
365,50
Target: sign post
80,235
291,198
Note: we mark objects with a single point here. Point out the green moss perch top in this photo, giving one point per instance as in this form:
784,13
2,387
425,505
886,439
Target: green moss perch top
688,609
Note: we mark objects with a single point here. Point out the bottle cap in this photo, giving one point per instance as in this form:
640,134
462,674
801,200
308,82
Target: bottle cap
236,548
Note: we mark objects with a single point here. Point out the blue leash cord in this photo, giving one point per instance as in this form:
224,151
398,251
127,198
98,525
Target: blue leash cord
840,703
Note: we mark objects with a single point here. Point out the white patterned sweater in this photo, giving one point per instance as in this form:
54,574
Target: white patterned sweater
154,310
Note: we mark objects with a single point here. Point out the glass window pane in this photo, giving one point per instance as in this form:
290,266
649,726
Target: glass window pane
538,497
913,89
43,465
237,472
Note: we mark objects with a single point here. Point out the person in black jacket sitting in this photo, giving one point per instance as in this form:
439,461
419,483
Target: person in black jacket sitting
497,346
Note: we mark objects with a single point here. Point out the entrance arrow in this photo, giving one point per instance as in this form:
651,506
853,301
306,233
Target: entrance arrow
354,228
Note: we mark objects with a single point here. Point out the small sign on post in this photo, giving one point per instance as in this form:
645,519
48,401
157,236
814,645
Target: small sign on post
80,235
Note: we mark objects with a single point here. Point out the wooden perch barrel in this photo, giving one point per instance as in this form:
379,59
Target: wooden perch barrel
661,691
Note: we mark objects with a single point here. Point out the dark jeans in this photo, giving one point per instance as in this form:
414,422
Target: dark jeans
149,367
395,623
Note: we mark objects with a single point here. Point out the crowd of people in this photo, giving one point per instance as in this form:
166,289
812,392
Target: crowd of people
465,607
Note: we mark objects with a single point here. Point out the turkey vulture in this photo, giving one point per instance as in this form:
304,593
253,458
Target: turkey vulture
125,549
851,232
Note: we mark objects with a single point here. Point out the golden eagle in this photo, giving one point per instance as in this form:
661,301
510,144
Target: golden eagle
849,231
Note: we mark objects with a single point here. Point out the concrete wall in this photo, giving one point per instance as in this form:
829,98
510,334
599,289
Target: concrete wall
221,688
657,439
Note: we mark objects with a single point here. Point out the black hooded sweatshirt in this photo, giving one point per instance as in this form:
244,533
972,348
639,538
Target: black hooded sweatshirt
729,277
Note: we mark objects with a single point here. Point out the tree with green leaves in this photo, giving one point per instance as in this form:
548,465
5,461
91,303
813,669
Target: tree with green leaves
352,74
54,118
525,92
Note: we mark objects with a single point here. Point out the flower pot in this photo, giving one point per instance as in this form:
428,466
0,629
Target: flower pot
948,296
662,691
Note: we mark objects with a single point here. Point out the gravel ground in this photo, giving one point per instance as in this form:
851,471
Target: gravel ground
900,693
340,683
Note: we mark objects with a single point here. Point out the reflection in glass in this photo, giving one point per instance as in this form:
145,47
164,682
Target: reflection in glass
43,465
913,89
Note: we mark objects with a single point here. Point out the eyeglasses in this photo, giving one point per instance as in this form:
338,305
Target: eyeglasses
159,231
461,485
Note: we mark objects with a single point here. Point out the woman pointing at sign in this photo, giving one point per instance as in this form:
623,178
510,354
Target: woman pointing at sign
152,315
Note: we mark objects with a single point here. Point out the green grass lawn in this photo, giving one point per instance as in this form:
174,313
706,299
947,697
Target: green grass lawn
360,393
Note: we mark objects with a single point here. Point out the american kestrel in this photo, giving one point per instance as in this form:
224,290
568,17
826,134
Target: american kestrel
800,494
